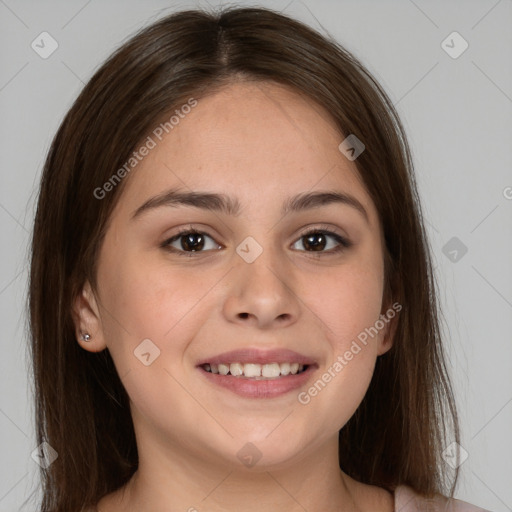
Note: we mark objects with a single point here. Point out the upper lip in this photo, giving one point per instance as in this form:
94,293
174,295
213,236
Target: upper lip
254,355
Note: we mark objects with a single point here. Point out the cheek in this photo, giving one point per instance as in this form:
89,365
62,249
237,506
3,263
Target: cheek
348,302
137,294
151,300
146,298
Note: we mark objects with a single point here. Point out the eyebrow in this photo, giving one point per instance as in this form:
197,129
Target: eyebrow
223,203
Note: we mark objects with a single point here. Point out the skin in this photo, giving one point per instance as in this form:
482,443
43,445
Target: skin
260,143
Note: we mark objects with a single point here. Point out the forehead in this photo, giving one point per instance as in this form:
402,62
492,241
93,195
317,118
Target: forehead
259,142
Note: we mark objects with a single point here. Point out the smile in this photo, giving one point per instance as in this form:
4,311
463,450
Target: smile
258,381
256,371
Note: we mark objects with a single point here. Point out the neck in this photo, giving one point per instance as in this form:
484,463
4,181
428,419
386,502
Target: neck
173,478
178,474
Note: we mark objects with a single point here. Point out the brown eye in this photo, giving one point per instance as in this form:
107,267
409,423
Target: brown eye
190,241
322,242
315,241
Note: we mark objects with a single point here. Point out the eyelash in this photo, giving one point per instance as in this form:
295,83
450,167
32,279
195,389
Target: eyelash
343,243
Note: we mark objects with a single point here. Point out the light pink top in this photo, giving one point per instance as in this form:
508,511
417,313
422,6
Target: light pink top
407,500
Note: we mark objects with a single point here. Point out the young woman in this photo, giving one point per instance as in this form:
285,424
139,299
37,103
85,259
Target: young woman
232,301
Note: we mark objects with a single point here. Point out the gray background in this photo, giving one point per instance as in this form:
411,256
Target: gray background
457,113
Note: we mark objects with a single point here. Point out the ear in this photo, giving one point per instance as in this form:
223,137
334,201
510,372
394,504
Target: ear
86,315
390,318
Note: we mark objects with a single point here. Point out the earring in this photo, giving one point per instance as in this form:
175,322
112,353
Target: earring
85,336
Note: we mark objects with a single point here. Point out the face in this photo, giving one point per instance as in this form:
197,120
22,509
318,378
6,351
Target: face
260,269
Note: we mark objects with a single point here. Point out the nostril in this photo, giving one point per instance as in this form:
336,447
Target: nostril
244,315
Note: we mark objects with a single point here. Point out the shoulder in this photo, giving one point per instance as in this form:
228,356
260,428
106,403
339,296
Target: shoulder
408,500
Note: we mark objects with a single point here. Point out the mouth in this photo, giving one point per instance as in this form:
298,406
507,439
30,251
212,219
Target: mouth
258,374
255,371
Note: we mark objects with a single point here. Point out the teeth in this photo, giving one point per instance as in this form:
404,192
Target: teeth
271,370
254,370
236,369
285,368
223,369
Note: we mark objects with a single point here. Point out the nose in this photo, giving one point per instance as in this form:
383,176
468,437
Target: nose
261,293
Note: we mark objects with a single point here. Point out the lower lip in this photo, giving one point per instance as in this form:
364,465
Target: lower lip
250,388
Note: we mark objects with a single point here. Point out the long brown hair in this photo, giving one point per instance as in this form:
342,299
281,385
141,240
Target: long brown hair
82,410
